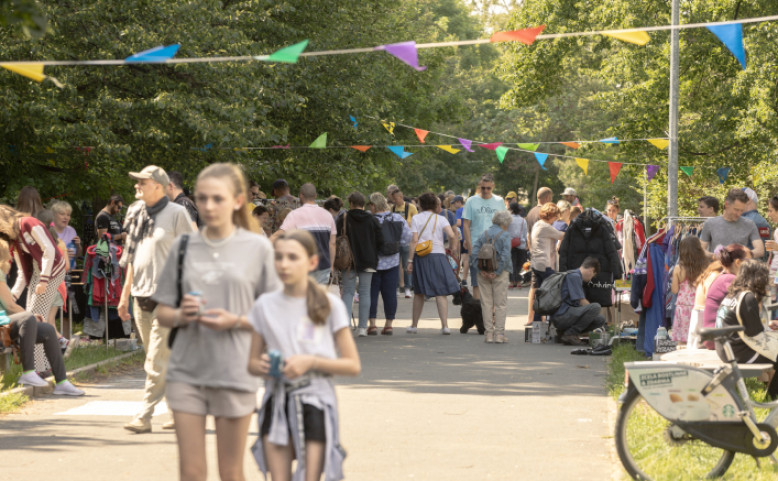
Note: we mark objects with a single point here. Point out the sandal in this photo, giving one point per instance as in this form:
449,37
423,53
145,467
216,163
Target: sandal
387,331
372,331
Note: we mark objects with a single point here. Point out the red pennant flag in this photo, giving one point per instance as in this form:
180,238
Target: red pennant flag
421,134
361,148
524,36
287,146
491,146
572,145
614,167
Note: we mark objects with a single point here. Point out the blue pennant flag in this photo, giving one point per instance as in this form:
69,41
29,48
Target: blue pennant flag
399,151
156,54
354,122
610,140
723,173
541,159
731,36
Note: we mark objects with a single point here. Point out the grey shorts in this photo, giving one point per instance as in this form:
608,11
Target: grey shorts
201,400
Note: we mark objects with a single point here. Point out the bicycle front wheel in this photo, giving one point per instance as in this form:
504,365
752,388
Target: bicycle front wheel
653,448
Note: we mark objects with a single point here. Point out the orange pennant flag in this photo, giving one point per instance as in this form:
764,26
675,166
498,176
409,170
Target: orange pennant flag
614,167
526,36
421,134
572,145
361,148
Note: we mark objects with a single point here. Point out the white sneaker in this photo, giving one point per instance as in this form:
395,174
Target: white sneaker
66,389
408,293
445,331
32,379
411,330
362,332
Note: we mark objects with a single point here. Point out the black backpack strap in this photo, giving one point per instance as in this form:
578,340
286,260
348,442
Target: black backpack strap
180,267
406,211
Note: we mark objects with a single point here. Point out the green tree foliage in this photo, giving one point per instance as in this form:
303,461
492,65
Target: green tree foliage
22,14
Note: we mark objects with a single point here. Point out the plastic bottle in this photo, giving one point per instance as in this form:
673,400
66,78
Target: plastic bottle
661,333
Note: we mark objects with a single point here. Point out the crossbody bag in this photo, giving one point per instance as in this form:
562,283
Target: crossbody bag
424,248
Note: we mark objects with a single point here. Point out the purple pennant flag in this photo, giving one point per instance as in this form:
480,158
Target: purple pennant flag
405,51
651,171
466,144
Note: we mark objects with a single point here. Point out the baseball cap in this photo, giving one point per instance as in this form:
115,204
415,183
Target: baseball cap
510,195
569,191
751,194
458,198
157,174
280,184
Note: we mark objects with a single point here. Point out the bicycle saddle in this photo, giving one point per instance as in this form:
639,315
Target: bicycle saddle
710,334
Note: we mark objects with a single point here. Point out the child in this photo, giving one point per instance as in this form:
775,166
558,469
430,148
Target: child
692,262
309,327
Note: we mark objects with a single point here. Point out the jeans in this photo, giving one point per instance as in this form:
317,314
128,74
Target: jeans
579,319
349,287
384,282
322,276
26,328
405,252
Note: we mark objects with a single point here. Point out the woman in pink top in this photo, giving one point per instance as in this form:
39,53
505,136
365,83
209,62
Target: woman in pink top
730,257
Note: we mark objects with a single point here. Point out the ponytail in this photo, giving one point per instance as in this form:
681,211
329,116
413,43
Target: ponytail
318,303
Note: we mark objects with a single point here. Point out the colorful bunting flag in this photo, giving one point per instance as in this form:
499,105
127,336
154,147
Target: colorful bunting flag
206,147
526,36
288,54
32,71
530,147
660,144
731,36
651,171
583,164
466,144
687,169
723,173
156,54
287,146
492,146
421,134
405,51
354,122
501,151
610,140
448,148
541,158
638,38
399,151
389,126
361,148
614,168
572,145
320,142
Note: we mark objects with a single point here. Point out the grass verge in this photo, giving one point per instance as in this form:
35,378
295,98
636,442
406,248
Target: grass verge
743,468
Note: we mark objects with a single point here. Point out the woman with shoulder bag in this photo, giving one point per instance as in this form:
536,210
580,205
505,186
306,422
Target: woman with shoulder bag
432,274
225,267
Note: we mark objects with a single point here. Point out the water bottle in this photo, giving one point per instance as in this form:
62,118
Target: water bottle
276,361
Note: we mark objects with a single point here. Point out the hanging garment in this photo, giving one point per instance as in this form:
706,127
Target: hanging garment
655,314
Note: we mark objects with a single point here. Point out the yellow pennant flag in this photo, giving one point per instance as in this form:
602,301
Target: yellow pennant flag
660,144
448,148
583,164
32,71
389,126
638,38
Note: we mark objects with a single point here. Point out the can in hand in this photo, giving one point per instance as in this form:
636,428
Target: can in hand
199,296
276,361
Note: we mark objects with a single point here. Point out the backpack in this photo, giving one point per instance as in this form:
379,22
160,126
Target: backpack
392,232
487,256
344,258
548,297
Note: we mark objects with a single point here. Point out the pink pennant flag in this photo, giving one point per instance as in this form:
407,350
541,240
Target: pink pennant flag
287,146
421,134
492,146
405,51
466,144
526,36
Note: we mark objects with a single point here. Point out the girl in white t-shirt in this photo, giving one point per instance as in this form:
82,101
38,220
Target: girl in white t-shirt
299,416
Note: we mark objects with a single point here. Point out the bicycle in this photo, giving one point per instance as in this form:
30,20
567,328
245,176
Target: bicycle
705,417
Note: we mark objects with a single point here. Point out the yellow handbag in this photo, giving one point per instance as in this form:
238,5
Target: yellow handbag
424,248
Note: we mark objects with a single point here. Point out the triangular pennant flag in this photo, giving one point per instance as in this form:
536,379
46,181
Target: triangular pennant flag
206,147
320,142
526,35
448,148
389,126
530,147
572,145
466,144
583,164
614,167
361,148
354,122
638,38
288,54
610,140
660,144
492,146
501,151
541,158
732,36
723,173
399,151
287,146
421,134
405,51
651,171
32,71
687,169
156,54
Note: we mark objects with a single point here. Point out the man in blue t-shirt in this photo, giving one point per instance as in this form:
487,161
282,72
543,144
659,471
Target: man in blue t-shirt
576,315
477,217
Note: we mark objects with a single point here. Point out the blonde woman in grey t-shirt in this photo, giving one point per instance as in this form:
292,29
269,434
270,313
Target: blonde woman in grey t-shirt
229,267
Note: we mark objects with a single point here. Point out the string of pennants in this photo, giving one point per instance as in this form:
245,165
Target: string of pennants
730,33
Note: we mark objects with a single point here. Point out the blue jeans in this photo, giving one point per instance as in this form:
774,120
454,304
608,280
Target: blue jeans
405,252
384,282
349,287
322,276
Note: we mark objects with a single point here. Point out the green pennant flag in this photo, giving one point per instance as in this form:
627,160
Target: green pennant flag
320,142
501,151
532,147
288,54
688,170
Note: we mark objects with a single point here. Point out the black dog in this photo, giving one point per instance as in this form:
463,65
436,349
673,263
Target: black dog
471,311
